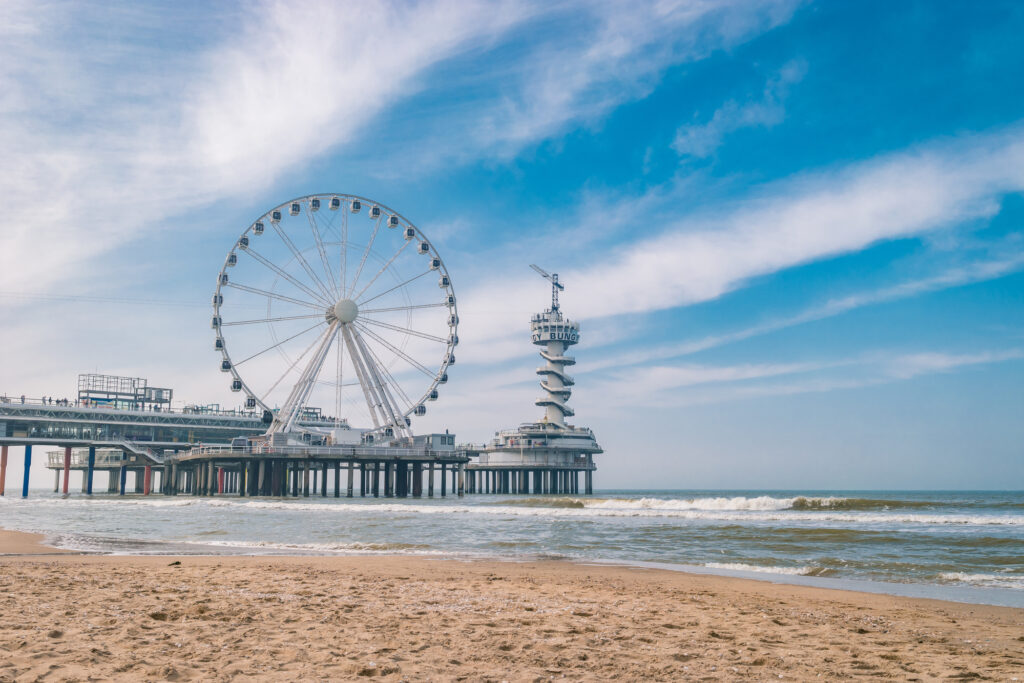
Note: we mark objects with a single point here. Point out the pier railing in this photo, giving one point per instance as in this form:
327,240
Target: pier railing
364,451
104,458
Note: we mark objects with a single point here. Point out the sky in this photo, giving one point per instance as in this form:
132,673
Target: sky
792,232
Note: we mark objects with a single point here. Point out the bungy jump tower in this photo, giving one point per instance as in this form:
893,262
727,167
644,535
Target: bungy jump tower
552,450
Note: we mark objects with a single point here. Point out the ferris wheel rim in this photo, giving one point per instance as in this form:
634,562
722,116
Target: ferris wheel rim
359,328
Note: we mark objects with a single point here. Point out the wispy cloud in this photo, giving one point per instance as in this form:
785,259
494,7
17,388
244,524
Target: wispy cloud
701,140
611,53
954,277
107,132
810,217
697,384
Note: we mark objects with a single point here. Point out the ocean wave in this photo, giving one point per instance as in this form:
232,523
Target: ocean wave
735,503
809,503
722,509
337,548
763,569
985,580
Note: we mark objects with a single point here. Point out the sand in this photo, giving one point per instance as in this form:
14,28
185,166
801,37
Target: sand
77,617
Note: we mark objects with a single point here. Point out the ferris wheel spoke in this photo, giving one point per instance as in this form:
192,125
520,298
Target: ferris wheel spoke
382,269
266,262
343,265
323,252
302,261
292,408
366,252
402,284
363,311
406,330
274,295
395,350
273,320
290,368
283,341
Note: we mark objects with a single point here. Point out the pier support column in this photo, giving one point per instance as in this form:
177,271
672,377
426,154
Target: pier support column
462,480
220,481
56,481
67,468
375,476
305,479
147,481
122,475
90,470
3,469
589,482
261,479
430,480
417,480
351,474
28,466
444,481
323,479
337,479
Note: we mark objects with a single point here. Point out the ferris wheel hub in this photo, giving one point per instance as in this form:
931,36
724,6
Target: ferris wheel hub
346,310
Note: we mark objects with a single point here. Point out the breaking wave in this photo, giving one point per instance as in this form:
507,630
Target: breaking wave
762,569
728,509
985,580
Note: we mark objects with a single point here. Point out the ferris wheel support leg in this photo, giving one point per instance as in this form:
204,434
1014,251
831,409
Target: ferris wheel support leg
390,409
361,374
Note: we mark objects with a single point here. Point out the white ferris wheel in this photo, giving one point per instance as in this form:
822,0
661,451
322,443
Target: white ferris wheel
338,303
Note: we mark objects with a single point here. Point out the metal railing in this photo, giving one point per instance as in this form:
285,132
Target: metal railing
104,458
322,451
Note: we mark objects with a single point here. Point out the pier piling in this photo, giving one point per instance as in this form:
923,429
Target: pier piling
67,468
91,465
3,469
28,466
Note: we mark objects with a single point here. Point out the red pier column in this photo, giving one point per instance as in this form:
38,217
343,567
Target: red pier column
3,468
147,480
67,467
220,480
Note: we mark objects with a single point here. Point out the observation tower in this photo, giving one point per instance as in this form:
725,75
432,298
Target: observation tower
552,450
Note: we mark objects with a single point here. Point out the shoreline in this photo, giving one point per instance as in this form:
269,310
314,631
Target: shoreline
35,545
293,617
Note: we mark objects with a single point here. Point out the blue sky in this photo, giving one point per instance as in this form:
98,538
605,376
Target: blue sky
792,231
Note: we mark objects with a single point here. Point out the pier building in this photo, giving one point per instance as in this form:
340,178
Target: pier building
545,456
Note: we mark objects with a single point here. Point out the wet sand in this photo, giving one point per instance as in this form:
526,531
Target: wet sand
74,617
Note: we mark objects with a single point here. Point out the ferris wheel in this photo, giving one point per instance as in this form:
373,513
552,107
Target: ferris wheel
335,306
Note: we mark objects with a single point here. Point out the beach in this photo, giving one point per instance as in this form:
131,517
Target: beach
67,616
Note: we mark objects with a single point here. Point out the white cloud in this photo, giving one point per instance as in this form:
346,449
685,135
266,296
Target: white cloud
701,140
99,147
813,216
698,384
954,277
609,54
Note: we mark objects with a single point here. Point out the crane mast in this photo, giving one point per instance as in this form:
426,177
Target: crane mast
555,285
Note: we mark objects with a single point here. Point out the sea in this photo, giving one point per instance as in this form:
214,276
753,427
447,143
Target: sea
966,546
